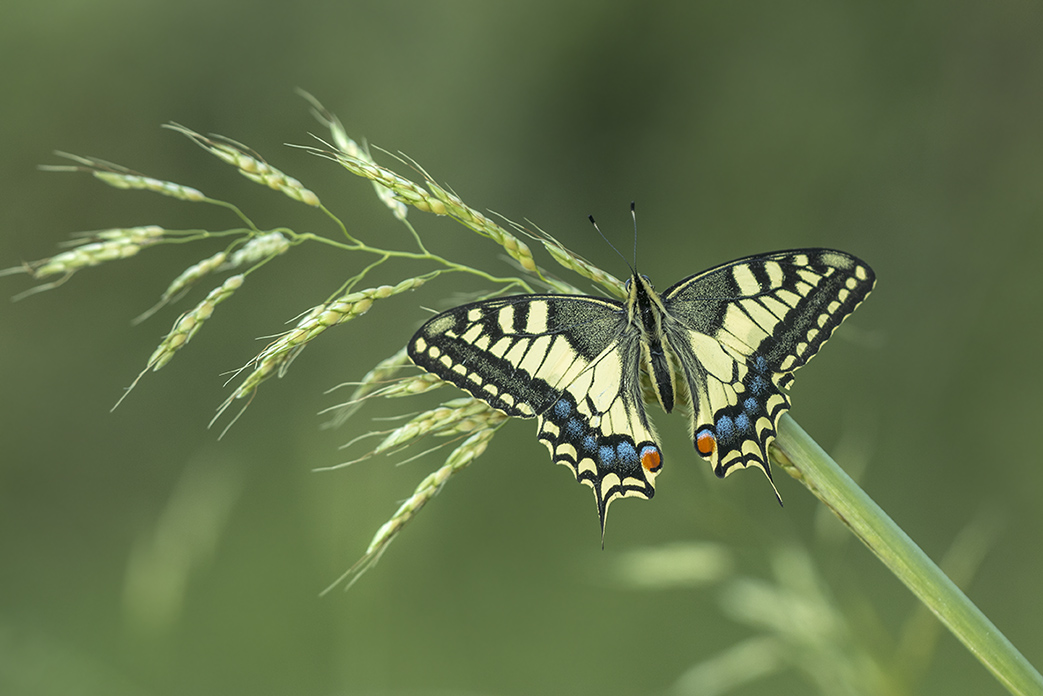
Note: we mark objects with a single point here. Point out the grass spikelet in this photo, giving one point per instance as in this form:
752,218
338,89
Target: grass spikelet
260,247
376,378
675,565
411,386
454,417
351,148
251,166
141,236
97,248
186,326
189,323
189,277
798,613
454,206
278,355
111,245
122,178
458,459
441,202
401,188
578,264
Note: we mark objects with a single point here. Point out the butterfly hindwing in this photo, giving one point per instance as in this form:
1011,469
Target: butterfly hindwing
572,363
740,330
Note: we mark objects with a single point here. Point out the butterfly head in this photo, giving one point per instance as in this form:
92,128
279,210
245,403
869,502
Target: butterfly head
639,278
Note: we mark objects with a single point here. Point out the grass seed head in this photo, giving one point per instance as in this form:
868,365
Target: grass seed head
191,275
350,148
110,245
578,264
376,378
258,248
189,323
463,455
277,356
122,178
251,166
458,416
417,384
401,189
147,183
454,206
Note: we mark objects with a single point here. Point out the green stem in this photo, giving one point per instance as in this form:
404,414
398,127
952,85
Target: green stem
803,459
414,256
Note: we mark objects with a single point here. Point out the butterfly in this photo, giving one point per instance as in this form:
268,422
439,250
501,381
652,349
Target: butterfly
723,344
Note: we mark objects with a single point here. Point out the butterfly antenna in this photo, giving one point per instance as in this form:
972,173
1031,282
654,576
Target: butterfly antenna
595,224
633,215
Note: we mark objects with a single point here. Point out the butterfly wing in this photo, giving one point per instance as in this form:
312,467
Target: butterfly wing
572,363
740,330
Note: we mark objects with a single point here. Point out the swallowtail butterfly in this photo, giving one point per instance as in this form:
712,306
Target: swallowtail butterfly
723,343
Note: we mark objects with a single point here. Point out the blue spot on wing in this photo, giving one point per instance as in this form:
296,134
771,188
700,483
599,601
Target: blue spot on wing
562,409
758,385
627,453
742,424
725,430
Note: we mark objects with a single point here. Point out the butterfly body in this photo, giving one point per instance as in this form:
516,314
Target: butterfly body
723,342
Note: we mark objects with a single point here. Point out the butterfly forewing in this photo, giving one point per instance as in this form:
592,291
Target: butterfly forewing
571,362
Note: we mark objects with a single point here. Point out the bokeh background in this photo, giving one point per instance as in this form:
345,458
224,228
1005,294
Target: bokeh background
140,555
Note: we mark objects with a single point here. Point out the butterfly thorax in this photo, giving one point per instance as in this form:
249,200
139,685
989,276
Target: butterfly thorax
646,313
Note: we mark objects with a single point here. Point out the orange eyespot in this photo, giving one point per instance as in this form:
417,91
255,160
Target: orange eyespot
651,460
705,443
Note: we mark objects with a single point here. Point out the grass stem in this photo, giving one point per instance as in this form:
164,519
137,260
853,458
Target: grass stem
802,458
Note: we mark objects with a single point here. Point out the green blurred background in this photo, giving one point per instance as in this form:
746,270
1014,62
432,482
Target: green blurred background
140,555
